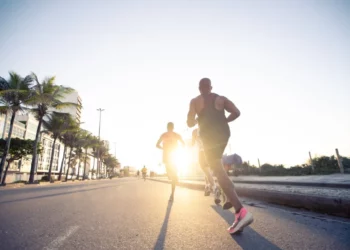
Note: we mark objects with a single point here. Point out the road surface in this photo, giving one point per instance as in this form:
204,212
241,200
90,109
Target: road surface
130,213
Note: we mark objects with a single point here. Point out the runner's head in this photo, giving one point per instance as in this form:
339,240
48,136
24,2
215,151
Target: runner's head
205,86
170,126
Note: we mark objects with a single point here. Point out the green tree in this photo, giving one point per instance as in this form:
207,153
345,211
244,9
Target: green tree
19,150
14,95
46,95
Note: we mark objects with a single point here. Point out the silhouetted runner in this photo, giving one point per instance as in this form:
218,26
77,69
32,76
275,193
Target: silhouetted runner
215,132
169,141
144,172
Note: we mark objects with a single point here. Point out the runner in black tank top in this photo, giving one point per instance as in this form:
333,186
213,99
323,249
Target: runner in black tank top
214,129
215,132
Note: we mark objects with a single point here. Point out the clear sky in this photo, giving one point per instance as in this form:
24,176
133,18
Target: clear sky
285,64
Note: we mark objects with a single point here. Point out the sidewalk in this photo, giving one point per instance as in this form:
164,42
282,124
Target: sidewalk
19,185
327,200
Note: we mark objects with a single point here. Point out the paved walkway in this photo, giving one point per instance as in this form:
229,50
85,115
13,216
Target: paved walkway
130,213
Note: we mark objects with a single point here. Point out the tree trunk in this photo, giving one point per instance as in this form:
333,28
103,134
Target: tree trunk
8,141
63,159
52,155
35,149
93,166
69,159
85,164
3,182
98,167
79,166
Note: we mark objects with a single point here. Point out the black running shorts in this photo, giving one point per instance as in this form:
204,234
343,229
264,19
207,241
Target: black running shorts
214,148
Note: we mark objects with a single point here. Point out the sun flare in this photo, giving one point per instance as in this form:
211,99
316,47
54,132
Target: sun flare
182,160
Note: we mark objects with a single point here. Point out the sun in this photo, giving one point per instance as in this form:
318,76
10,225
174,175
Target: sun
182,160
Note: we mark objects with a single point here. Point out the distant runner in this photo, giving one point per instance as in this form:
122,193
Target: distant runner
215,133
144,172
169,141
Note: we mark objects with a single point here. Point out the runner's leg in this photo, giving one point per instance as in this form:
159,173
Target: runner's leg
214,150
209,181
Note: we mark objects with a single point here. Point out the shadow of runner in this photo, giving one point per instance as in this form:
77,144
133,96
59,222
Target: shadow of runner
57,194
249,239
161,237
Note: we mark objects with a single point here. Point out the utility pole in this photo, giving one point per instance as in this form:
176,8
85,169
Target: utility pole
312,163
115,149
340,161
99,137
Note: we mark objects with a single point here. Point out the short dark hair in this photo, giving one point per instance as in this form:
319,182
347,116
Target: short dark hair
170,125
205,81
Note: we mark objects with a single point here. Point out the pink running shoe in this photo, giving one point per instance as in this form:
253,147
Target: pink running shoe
242,219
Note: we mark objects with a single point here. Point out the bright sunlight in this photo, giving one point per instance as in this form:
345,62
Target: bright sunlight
182,159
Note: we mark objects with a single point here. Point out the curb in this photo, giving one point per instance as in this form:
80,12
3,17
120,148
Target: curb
292,183
326,205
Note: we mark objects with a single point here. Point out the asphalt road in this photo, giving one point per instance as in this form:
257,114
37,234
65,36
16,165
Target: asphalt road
132,214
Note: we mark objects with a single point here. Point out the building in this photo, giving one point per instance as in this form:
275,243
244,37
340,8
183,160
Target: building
74,111
25,127
18,130
45,157
31,125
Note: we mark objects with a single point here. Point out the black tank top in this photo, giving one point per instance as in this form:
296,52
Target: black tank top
212,122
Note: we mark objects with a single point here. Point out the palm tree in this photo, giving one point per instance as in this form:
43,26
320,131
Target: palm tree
46,95
103,153
72,137
89,142
65,139
14,94
94,151
82,137
56,124
111,163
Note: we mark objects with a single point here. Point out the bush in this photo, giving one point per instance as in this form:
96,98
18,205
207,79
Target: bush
21,182
46,178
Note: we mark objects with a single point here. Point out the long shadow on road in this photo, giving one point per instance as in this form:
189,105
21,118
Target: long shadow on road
161,238
57,194
249,239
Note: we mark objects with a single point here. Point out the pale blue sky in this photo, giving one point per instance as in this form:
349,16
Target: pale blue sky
285,64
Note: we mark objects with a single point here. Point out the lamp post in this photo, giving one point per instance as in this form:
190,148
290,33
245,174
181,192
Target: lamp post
99,135
115,149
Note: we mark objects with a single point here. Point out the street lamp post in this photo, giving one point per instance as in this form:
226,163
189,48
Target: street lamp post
99,135
115,149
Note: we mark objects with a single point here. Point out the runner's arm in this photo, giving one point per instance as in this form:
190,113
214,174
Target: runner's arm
232,109
159,142
191,116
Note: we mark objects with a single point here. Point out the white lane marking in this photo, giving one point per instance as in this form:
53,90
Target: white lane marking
56,243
